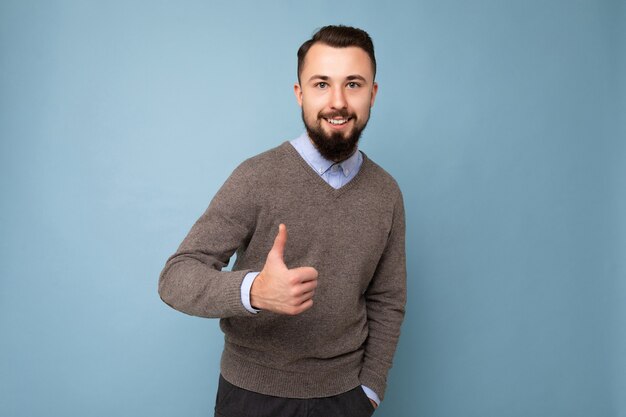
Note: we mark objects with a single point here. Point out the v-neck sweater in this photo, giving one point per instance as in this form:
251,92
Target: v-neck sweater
353,236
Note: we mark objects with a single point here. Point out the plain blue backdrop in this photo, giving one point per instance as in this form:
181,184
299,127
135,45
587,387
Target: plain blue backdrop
504,123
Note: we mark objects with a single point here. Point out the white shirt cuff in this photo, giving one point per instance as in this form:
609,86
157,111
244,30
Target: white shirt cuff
371,394
246,285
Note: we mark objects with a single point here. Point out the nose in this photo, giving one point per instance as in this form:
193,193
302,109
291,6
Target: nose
338,99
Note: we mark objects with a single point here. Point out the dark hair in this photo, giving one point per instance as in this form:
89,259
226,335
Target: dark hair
339,37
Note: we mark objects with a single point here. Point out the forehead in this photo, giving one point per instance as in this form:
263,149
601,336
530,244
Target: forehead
334,62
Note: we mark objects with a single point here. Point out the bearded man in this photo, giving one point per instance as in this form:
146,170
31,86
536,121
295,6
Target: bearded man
311,323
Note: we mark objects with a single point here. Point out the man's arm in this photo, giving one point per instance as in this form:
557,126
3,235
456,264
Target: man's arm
385,300
192,280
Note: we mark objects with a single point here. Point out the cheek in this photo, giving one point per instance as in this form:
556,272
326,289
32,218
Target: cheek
313,102
310,117
361,102
311,109
363,108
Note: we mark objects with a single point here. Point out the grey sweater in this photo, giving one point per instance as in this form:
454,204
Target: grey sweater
353,236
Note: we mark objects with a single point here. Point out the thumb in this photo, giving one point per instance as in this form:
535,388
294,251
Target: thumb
280,242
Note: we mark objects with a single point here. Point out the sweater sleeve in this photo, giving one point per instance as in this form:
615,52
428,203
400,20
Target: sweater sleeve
385,302
192,280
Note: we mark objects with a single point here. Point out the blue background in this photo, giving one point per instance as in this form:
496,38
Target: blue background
503,121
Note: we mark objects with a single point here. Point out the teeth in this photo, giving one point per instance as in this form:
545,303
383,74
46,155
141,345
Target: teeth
337,121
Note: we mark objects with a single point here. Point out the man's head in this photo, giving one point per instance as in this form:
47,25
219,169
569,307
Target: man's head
336,88
338,37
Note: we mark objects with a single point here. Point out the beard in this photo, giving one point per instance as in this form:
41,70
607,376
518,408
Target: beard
334,146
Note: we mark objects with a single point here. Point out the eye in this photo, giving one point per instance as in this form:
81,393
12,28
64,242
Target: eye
353,84
321,84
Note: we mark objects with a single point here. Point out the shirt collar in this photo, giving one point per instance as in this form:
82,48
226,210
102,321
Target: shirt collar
312,156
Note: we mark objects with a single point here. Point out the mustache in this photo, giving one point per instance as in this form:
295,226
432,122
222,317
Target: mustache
337,113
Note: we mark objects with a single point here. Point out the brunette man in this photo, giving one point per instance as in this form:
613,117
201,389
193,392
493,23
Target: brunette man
311,320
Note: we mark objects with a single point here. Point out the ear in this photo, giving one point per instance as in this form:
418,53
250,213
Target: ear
374,92
297,90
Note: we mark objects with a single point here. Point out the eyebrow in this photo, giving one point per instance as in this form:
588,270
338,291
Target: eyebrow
326,77
356,77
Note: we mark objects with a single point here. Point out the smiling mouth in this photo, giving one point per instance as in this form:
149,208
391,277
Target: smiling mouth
338,122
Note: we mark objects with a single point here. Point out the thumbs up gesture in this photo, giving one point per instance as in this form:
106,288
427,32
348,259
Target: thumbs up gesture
280,289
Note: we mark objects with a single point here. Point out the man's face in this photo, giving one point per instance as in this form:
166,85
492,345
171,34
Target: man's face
336,92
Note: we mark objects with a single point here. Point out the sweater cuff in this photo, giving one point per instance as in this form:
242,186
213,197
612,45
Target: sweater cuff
374,382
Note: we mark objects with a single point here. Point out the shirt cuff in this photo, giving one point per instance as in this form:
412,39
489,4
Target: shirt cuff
246,285
371,394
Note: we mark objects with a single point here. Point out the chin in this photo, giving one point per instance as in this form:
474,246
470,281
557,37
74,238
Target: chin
343,135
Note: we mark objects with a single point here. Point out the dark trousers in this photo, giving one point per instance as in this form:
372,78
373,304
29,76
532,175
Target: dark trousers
233,401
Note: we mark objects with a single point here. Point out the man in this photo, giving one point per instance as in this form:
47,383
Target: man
312,320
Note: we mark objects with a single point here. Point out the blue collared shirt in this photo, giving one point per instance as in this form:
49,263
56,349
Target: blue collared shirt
336,174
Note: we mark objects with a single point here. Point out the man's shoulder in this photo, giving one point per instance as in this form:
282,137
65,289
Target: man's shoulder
268,157
262,163
379,177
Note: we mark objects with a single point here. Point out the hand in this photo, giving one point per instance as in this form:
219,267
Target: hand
374,404
280,289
